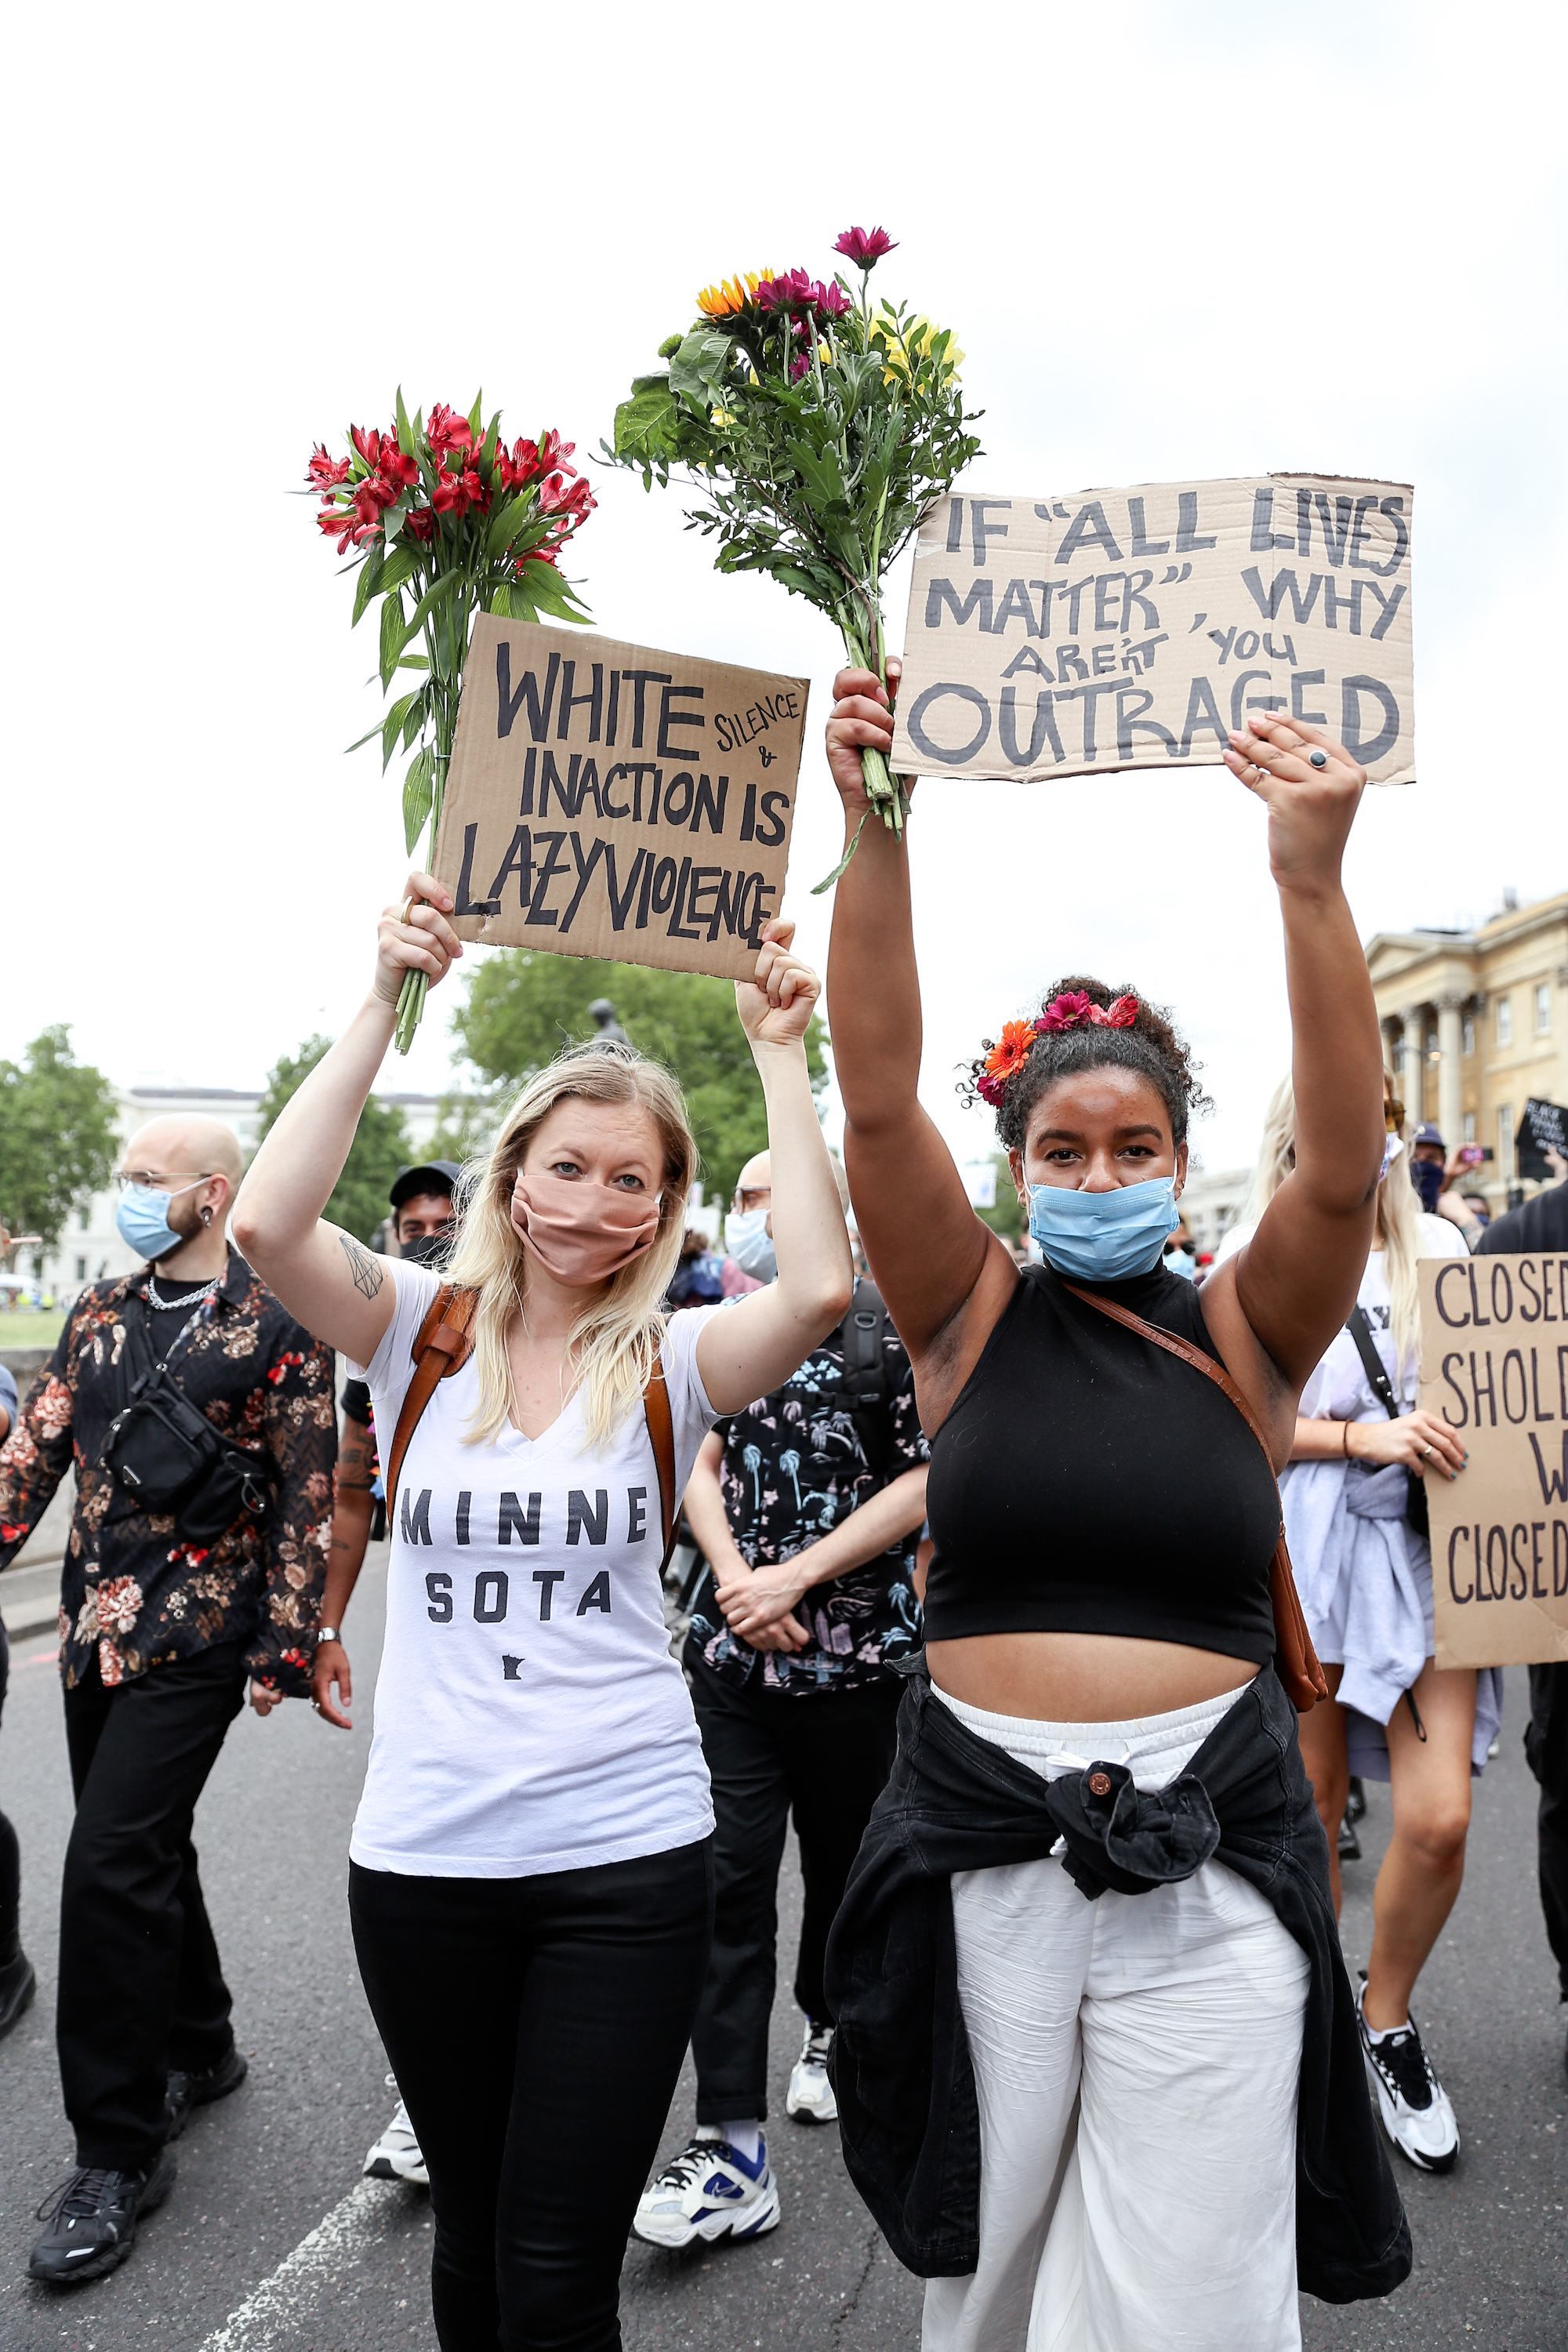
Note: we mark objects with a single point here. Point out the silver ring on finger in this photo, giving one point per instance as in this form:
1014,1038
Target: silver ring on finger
1257,769
1426,1452
1317,759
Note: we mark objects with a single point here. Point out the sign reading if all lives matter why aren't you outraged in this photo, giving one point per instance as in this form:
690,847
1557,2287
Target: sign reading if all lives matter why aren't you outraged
606,800
1135,628
1494,1368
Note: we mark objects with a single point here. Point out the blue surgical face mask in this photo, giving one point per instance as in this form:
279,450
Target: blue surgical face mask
749,1242
1104,1236
142,1218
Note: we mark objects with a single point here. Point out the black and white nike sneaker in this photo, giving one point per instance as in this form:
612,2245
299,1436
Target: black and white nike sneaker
92,2219
1418,2113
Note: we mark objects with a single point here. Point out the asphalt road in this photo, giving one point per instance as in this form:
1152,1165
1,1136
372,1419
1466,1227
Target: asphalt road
271,2240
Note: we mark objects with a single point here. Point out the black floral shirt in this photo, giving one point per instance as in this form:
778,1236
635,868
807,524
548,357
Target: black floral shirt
131,1593
795,1466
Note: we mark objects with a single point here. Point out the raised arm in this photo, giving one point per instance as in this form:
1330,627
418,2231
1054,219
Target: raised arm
1296,1280
335,1285
757,1343
925,1245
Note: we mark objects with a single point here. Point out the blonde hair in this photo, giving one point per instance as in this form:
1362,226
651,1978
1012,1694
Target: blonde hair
1398,1233
614,1340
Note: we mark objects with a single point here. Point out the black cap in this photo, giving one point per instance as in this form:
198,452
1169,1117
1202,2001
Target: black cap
430,1176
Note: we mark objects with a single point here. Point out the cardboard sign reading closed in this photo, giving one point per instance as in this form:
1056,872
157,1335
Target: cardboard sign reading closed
1494,1366
1134,628
605,800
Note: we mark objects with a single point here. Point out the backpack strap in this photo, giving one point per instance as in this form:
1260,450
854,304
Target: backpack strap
442,1345
661,1434
1295,1659
1378,1377
862,1335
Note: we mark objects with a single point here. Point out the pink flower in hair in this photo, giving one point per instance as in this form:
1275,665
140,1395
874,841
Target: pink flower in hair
991,1090
1120,1013
1070,1010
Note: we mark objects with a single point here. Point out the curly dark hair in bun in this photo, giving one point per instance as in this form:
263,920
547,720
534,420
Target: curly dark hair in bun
1148,1044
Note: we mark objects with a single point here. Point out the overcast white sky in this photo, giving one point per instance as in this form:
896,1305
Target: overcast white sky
1174,241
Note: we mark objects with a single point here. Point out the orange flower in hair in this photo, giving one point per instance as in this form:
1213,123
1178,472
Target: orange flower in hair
1010,1055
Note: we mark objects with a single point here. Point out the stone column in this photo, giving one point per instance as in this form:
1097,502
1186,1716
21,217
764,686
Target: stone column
1415,1065
1451,1042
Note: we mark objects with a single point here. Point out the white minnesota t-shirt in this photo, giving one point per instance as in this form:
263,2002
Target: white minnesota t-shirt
529,1716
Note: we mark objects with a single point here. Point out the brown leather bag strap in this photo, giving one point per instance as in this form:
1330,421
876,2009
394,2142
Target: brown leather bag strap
1295,1659
661,1432
442,1345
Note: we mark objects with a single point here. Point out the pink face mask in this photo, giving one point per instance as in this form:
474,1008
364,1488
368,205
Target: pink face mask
580,1231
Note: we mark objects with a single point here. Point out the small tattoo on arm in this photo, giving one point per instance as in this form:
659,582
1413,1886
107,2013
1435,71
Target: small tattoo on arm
366,1268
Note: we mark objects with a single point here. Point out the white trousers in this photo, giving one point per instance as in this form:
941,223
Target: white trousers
1136,2060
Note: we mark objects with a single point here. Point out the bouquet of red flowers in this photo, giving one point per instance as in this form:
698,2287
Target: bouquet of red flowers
442,521
814,432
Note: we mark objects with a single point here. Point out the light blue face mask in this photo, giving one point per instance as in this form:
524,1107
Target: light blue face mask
142,1218
1104,1236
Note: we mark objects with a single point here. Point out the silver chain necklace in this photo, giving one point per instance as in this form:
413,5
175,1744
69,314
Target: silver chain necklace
197,1298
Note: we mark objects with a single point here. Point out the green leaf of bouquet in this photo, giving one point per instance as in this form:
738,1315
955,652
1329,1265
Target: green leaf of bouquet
418,791
475,413
405,435
698,369
434,595
369,581
401,565
416,719
506,522
392,635
391,724
648,427
501,602
365,739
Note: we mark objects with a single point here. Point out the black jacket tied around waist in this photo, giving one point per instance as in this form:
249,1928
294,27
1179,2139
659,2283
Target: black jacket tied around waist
907,2107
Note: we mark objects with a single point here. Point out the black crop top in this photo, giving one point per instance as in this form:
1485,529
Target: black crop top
1089,1482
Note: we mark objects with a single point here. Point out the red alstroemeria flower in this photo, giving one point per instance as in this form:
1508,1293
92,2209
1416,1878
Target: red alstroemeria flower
421,524
449,497
1120,1013
448,430
1017,1042
325,472
401,471
575,499
520,466
554,453
864,248
367,441
548,553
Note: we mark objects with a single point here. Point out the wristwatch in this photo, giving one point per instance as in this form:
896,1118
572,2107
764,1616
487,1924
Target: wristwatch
327,1633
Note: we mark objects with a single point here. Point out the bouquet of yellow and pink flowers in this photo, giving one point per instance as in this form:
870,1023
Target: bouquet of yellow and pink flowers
445,515
813,431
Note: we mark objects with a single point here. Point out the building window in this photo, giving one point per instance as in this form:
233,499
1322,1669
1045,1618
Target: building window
1470,1033
1505,1141
1470,1126
1543,1008
84,1223
1399,1057
1505,1020
81,1269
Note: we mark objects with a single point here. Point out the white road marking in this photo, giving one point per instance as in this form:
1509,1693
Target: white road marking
341,2237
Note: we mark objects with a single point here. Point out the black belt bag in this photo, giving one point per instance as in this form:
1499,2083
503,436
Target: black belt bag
167,1455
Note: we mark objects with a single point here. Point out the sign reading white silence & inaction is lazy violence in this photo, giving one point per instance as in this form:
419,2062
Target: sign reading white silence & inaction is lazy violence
1135,628
608,800
1494,1367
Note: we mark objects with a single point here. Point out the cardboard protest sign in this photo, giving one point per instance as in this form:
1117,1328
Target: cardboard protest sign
1543,1129
1494,1366
605,800
1134,628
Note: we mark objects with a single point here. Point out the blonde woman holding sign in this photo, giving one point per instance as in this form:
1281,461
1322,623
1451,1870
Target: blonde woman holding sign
531,1880
1364,1459
1097,2072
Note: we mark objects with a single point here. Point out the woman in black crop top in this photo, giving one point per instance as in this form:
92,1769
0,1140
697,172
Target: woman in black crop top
1104,1523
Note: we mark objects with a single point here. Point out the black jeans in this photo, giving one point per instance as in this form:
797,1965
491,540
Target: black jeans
141,1986
1546,1750
828,1757
536,2027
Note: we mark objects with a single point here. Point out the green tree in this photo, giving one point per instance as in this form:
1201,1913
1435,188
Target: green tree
521,1008
1006,1218
59,1137
380,1147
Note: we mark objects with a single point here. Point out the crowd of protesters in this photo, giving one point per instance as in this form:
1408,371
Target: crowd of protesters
1084,2055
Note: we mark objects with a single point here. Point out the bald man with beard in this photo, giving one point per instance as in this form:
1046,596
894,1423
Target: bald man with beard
186,1577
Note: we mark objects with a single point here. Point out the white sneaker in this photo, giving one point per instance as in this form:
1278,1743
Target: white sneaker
708,2190
395,2155
810,2099
1418,2113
